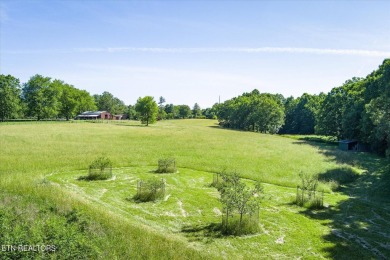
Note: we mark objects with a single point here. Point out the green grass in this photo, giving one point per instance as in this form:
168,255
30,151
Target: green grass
40,163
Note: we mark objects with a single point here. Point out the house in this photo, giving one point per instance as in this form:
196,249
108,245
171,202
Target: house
93,115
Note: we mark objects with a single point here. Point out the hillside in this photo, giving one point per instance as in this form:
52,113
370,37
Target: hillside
40,163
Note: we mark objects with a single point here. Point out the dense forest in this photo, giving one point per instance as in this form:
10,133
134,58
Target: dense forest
359,109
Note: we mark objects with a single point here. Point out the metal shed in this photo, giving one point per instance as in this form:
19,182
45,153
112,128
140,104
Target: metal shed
348,145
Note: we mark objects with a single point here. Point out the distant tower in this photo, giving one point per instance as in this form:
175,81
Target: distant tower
219,100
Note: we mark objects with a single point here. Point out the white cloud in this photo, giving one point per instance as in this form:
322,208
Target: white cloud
352,52
292,50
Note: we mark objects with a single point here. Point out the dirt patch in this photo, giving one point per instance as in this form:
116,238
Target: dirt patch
183,212
280,240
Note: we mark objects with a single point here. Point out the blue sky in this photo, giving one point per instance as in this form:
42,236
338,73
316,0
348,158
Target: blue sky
194,51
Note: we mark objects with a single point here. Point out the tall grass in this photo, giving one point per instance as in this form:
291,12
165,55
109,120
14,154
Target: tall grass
197,144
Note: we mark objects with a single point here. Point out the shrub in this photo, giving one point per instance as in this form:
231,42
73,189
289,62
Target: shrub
99,169
150,190
166,166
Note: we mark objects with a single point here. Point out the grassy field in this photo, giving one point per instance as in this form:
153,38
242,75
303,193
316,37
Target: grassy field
40,164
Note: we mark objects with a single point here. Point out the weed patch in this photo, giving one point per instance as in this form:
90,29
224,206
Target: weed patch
99,169
166,166
150,190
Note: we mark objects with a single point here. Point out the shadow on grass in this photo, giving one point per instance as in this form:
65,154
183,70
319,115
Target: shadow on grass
129,125
202,232
360,224
227,128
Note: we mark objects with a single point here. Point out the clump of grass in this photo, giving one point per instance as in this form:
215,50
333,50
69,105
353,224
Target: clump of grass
99,169
334,185
232,225
150,190
315,203
166,165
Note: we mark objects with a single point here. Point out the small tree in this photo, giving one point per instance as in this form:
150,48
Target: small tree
161,112
147,109
307,191
237,198
196,111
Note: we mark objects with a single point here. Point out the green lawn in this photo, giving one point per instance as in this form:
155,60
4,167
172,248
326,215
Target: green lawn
40,164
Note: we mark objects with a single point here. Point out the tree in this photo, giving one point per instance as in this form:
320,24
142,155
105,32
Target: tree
132,114
68,99
147,109
9,97
236,197
184,111
85,102
170,111
196,111
161,112
107,102
252,111
301,114
210,113
161,102
119,107
41,97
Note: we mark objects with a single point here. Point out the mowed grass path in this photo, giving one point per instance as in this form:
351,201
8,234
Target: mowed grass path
191,211
352,226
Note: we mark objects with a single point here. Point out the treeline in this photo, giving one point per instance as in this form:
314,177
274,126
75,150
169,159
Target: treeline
254,111
359,109
44,98
170,111
41,98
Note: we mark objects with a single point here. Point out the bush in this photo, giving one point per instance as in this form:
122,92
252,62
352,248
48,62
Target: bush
99,169
166,166
150,190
